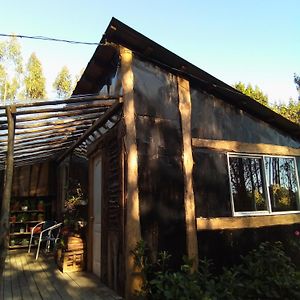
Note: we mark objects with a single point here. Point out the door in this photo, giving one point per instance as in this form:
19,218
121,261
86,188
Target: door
97,197
112,255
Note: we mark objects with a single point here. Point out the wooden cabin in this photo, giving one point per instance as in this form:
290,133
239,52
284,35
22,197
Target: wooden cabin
179,159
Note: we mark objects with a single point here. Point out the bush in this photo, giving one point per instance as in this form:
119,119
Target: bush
265,273
268,273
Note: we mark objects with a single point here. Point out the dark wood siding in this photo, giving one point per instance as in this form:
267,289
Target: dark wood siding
33,180
159,144
225,247
213,118
112,240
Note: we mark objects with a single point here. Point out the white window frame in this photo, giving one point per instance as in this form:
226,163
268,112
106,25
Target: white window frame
266,190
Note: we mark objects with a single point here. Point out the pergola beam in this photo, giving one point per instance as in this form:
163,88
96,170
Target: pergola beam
79,99
5,206
100,122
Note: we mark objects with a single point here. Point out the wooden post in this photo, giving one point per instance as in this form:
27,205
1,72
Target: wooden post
132,226
4,228
189,201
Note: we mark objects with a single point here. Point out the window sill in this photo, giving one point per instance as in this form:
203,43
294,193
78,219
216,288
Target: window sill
241,222
264,213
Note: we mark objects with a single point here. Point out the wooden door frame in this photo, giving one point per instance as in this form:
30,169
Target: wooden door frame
90,234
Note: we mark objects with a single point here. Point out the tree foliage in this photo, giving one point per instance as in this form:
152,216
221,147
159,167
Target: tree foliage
297,82
266,272
34,79
63,83
290,111
11,68
255,93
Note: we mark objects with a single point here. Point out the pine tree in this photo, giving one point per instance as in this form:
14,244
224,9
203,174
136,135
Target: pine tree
290,111
255,93
11,68
297,82
34,79
63,83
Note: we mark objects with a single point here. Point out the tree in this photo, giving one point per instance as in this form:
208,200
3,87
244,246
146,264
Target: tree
63,83
11,68
255,93
34,79
290,111
297,82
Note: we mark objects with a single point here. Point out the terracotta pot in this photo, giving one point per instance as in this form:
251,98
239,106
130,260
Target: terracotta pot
40,207
13,219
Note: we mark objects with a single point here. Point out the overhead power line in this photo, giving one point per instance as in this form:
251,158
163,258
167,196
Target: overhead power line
44,38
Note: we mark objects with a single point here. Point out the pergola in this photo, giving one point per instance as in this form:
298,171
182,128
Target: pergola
41,130
36,131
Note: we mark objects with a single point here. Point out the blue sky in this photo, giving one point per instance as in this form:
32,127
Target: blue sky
255,41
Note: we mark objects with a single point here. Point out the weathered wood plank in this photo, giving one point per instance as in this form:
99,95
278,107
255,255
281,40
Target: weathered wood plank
132,228
44,116
7,280
79,99
41,279
246,222
23,283
59,286
189,200
69,107
64,289
91,216
90,281
5,207
49,133
101,121
43,286
16,293
234,146
1,287
30,280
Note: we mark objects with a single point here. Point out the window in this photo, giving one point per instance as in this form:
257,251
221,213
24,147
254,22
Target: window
263,184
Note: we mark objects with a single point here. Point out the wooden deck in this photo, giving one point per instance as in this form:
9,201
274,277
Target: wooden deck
27,278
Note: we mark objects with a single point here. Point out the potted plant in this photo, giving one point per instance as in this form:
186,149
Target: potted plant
75,207
40,217
25,205
13,218
34,216
15,206
41,206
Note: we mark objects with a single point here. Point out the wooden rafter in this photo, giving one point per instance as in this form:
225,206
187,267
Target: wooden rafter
100,122
47,128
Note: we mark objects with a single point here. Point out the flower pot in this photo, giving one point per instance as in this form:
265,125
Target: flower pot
13,219
41,206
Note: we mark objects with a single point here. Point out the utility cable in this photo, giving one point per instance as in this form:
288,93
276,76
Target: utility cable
44,38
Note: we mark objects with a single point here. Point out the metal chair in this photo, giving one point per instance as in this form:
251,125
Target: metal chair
49,232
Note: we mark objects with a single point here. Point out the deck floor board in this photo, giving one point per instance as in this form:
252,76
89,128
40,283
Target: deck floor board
25,278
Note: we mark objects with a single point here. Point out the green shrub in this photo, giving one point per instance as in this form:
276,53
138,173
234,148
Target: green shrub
265,273
268,273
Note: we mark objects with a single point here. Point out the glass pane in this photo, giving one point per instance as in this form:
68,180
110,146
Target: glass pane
247,185
282,183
